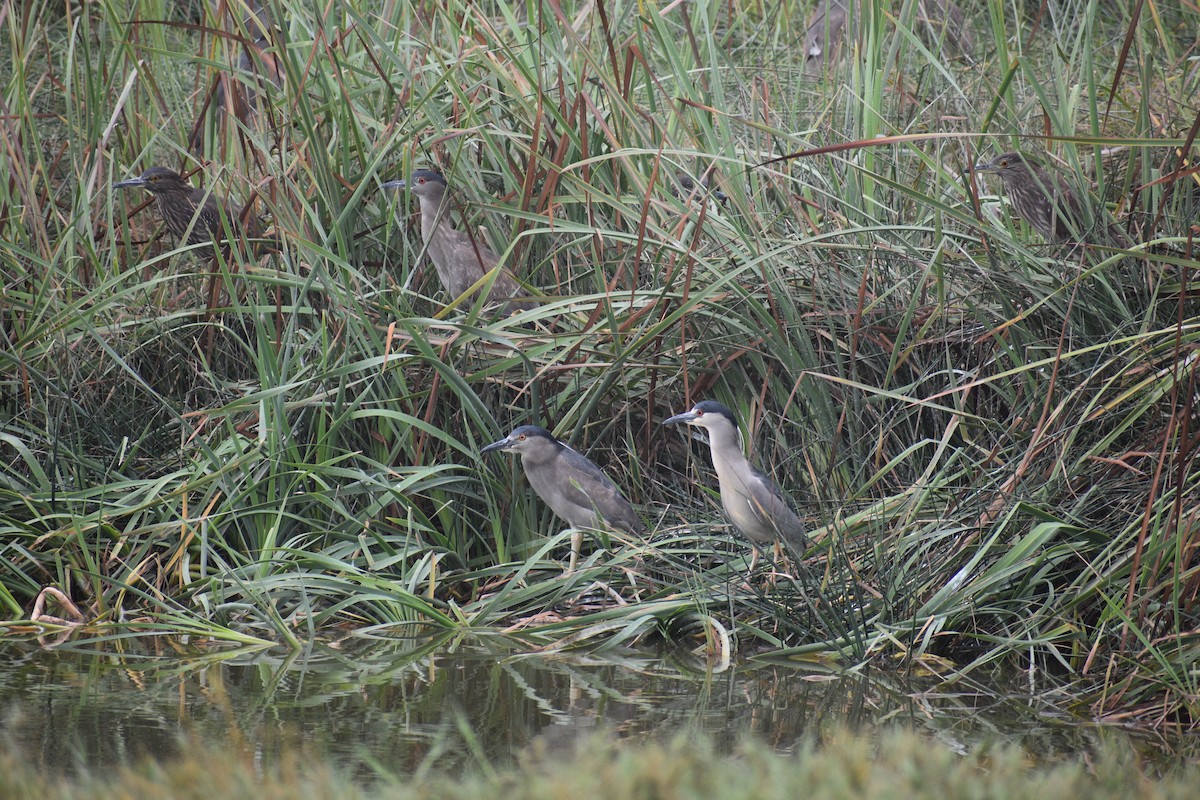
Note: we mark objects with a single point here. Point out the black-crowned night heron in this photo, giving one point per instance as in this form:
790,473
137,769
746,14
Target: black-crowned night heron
192,215
574,488
258,68
823,39
460,260
686,187
752,501
1045,200
835,21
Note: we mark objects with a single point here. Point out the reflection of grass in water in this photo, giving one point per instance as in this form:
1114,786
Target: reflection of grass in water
989,438
843,766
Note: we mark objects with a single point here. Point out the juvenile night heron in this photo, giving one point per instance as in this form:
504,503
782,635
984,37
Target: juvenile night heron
193,216
1046,201
1043,200
686,186
752,501
259,68
460,260
574,488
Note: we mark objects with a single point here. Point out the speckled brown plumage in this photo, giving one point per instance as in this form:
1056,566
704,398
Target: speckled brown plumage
1045,200
193,216
460,260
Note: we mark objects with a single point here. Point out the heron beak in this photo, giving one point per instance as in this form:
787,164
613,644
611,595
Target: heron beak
687,416
138,181
984,166
392,186
500,445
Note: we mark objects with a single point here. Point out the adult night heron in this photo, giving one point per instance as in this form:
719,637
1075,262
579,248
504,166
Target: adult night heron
752,501
256,60
834,21
193,216
460,260
574,488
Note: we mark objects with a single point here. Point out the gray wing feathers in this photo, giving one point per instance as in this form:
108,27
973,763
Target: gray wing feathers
592,489
775,512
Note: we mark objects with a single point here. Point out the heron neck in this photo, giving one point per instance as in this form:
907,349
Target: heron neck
539,456
726,447
435,213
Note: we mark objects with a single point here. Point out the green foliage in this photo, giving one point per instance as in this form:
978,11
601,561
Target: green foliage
854,767
992,439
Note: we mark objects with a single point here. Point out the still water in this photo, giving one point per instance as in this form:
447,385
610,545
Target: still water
403,706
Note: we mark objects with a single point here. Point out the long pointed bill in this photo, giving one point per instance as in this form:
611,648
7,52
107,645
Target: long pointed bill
686,416
392,186
500,445
139,181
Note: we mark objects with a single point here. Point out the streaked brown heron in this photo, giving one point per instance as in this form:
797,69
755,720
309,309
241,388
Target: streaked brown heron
1042,199
1045,200
461,260
193,216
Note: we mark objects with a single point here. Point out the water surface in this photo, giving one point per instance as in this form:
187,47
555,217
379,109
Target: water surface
367,704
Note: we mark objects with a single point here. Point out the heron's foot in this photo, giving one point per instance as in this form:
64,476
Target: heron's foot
576,545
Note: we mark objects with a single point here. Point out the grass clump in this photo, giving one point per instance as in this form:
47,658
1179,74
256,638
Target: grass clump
845,766
991,438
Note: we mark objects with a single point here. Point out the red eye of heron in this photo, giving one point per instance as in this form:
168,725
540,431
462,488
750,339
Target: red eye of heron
422,180
698,413
521,438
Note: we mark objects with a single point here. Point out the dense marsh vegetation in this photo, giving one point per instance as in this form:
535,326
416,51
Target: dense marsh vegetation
992,440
